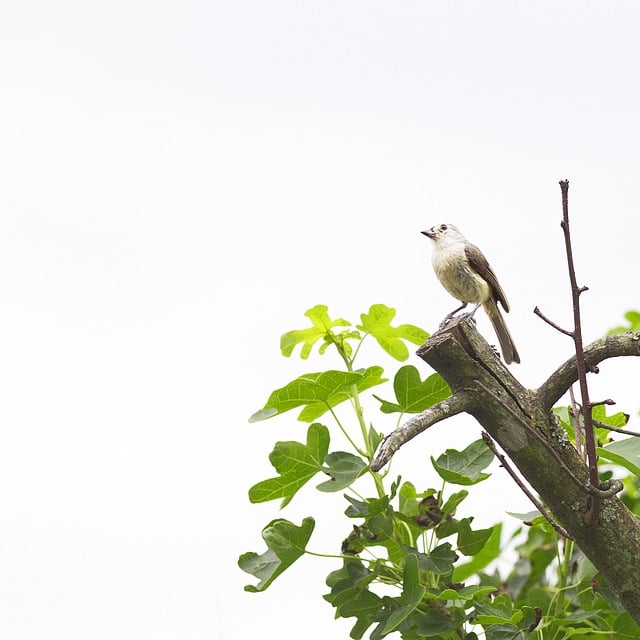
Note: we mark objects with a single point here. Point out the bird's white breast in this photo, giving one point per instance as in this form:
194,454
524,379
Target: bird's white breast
452,268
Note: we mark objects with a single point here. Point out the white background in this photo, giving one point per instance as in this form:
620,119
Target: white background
179,182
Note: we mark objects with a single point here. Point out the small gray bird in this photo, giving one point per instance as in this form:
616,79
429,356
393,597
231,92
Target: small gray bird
465,273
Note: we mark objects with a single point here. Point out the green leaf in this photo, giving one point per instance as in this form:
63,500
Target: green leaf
617,419
437,624
464,467
350,596
625,452
465,593
505,632
378,323
439,561
370,378
450,506
343,468
412,594
369,507
321,327
499,611
296,464
487,554
414,395
625,627
633,318
528,517
469,541
375,438
312,388
285,544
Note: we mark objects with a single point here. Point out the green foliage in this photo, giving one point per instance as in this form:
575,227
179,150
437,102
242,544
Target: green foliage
633,317
412,394
464,467
285,542
409,566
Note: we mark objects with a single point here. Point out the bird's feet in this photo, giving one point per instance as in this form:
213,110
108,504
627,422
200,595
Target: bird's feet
446,320
469,316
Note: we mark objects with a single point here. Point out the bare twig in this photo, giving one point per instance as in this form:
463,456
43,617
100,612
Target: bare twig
607,402
539,506
591,515
557,327
626,432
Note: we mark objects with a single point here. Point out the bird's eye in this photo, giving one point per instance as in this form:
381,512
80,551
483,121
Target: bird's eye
443,227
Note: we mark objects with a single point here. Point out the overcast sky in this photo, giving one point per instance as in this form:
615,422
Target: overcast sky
179,182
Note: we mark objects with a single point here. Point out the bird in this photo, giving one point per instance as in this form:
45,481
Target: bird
466,274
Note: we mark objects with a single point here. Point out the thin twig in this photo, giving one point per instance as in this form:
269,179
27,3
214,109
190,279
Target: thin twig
539,506
557,327
607,402
591,516
626,432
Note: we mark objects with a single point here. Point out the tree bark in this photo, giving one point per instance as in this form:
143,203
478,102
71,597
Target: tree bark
521,421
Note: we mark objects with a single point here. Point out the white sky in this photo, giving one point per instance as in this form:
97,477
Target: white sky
179,182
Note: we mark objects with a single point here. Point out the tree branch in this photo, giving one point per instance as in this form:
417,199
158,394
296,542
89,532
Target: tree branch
538,505
558,383
456,403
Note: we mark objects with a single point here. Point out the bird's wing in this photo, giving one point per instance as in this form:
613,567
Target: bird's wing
481,266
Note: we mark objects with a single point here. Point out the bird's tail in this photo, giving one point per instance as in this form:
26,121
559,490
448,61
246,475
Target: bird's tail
508,348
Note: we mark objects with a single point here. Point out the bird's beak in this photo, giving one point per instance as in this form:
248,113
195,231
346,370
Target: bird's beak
429,233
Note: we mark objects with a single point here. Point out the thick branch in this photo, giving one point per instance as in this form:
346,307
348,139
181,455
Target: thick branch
457,403
558,383
521,422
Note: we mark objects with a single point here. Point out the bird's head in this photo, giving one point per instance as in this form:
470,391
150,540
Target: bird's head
440,231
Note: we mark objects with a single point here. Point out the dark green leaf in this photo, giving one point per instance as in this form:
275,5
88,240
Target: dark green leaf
412,593
625,628
296,464
311,388
322,325
450,506
469,541
343,468
378,323
381,525
285,544
436,623
370,507
439,561
464,467
499,611
414,395
350,596
503,632
489,552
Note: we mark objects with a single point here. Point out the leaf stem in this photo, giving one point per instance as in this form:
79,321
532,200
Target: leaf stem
364,454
